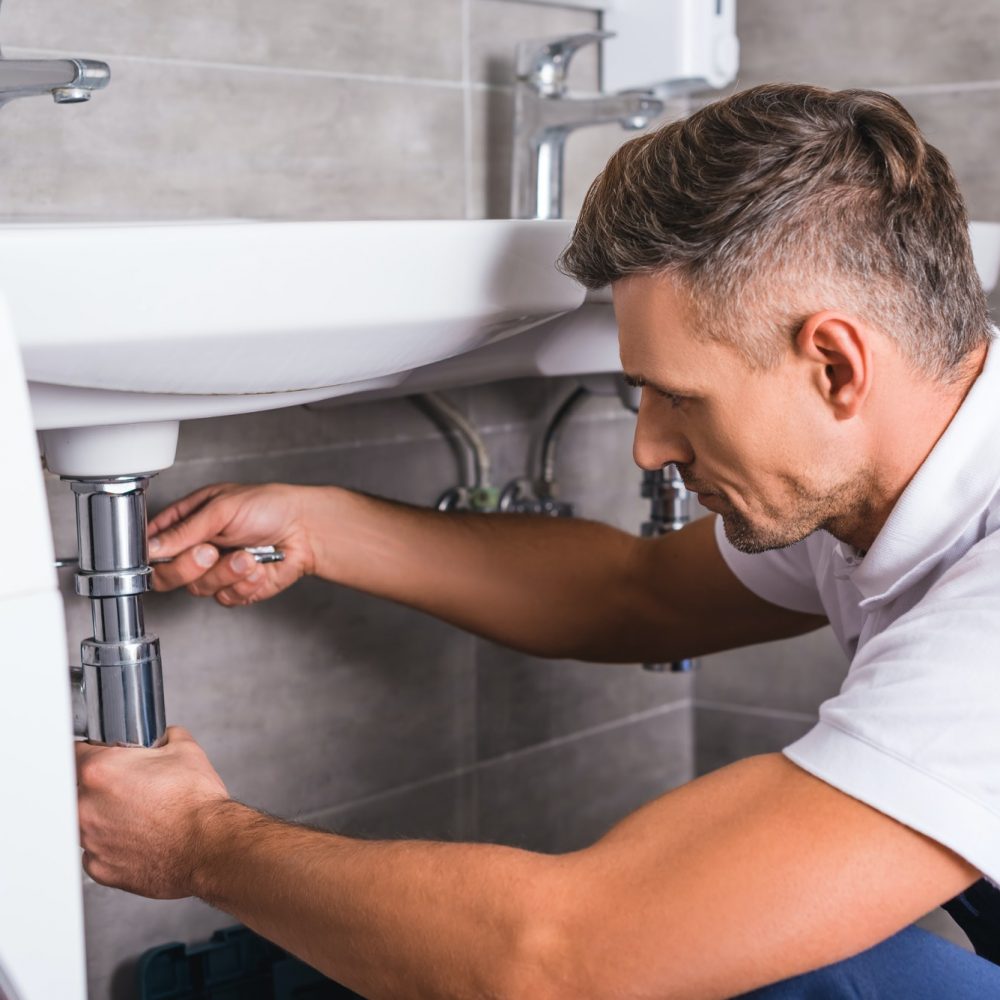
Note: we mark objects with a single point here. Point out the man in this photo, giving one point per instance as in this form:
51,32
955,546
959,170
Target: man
796,295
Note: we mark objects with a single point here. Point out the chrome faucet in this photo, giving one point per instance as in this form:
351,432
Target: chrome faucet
545,114
69,81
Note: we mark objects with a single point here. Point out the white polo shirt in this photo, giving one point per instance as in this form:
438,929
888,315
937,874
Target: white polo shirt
915,729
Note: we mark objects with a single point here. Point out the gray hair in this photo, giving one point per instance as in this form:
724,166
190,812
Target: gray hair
781,201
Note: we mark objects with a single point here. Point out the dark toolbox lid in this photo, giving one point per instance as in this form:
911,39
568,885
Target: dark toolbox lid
235,964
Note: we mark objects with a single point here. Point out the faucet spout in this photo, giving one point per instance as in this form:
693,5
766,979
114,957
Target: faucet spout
544,124
545,114
69,81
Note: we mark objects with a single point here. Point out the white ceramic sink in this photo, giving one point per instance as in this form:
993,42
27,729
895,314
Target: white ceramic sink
243,308
122,325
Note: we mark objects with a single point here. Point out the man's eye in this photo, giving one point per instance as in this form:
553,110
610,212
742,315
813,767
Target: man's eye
672,398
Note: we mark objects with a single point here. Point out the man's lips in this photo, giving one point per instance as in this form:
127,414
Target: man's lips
701,491
713,502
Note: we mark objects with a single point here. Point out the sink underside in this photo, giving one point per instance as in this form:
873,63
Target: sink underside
265,308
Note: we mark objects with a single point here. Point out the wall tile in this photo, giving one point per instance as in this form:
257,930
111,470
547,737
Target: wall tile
723,736
220,142
964,126
441,809
596,470
325,425
522,700
416,38
490,150
317,697
844,43
498,405
794,674
565,796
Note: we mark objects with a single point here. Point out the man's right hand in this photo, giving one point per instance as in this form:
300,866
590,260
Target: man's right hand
191,532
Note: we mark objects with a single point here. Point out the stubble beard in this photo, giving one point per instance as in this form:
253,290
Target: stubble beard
807,513
753,539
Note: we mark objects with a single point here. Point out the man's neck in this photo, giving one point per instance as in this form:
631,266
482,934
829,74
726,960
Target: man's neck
901,448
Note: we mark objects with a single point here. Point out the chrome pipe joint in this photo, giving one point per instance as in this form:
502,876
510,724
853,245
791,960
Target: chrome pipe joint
118,688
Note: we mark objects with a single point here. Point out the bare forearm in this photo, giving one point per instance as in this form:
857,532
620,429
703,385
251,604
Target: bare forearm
395,919
549,587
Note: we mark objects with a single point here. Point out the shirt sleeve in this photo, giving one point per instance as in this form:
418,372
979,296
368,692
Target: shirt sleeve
785,577
915,730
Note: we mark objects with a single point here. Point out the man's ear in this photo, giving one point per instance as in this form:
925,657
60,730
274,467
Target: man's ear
840,351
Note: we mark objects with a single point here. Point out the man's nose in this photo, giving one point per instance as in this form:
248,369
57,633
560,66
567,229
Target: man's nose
658,441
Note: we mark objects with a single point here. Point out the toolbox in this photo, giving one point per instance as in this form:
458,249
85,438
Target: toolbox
236,964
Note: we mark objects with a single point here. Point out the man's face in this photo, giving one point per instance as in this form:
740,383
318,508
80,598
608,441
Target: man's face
760,448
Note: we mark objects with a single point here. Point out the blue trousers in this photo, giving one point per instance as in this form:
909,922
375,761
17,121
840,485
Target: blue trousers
913,964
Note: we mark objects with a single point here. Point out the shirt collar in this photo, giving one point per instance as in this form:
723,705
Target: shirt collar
954,485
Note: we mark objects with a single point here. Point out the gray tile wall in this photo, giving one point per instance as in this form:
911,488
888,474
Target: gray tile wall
328,705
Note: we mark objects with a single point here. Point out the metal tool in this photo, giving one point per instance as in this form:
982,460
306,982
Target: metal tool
261,553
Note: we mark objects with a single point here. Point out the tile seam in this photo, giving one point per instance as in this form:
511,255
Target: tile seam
900,89
760,711
472,769
960,87
379,78
467,105
596,730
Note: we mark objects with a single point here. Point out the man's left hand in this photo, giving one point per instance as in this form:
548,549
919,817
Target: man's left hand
141,812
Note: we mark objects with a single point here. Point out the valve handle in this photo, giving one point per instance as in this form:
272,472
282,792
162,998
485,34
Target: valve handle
544,63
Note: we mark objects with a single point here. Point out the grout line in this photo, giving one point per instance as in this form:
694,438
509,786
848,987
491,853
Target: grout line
470,769
603,727
467,104
918,89
252,68
703,98
761,711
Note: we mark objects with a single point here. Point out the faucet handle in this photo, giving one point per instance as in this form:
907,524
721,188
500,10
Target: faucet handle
544,63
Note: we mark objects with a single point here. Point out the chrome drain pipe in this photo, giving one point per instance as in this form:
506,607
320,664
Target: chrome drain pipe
668,511
118,689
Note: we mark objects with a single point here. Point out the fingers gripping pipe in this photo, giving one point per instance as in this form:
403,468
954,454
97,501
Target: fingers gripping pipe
118,689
